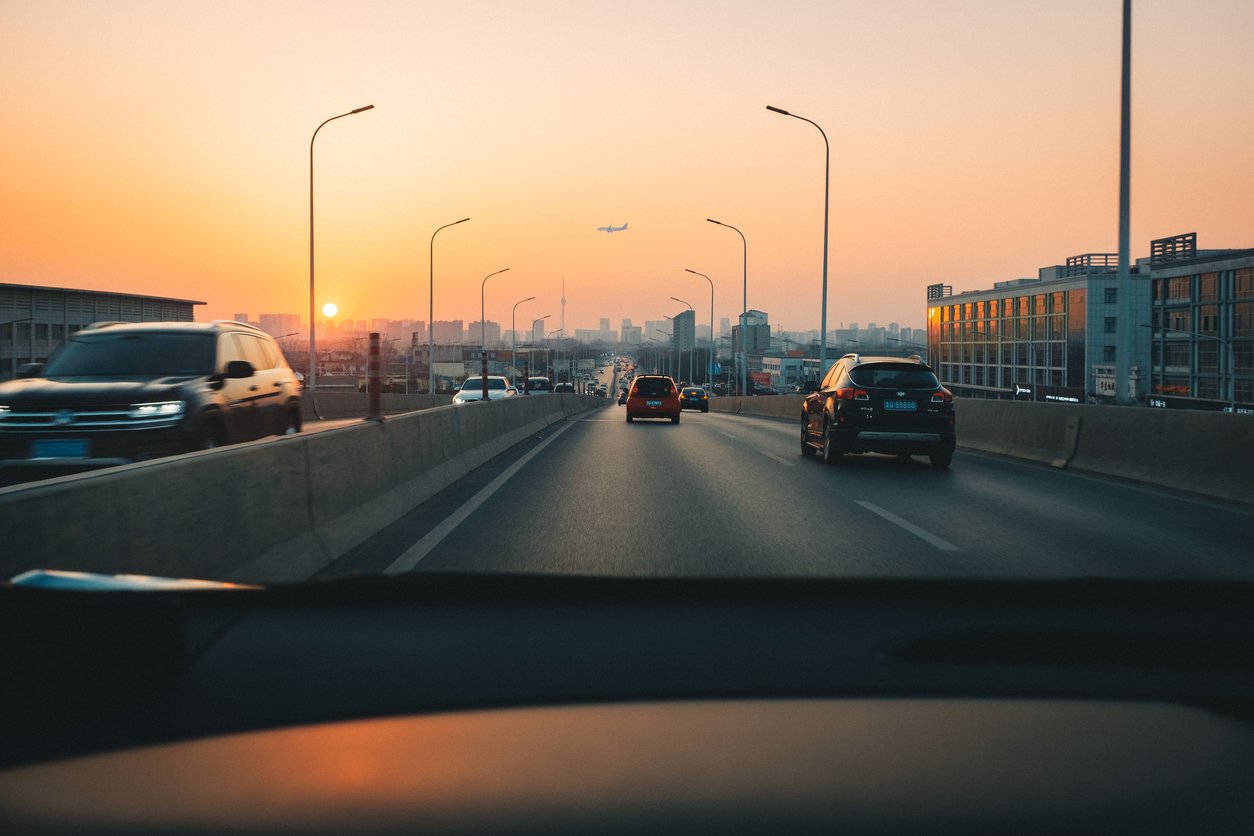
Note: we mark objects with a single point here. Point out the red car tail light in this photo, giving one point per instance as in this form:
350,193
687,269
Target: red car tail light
943,396
851,394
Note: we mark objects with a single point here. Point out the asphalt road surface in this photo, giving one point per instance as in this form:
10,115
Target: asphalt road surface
727,495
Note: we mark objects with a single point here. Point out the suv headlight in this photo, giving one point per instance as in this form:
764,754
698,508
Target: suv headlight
164,409
4,411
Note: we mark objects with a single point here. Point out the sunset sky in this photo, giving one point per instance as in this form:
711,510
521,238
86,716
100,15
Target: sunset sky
163,148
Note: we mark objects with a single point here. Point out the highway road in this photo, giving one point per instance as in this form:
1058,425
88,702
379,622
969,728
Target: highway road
728,495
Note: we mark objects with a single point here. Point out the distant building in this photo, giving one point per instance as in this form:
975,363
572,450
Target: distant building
631,334
448,331
278,325
752,335
35,320
684,331
1053,337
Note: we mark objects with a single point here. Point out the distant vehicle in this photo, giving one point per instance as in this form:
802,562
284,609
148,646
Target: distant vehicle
611,228
120,392
564,387
694,397
538,386
879,405
471,390
653,396
622,397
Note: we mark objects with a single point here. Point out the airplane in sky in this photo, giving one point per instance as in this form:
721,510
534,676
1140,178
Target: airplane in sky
611,228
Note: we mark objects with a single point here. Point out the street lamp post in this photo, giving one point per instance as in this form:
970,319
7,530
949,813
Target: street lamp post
708,377
671,340
827,169
431,309
694,339
483,328
513,336
744,353
312,359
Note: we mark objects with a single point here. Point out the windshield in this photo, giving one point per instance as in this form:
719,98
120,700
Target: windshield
133,355
706,206
901,376
494,384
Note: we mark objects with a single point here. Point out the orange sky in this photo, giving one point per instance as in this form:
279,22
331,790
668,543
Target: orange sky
162,148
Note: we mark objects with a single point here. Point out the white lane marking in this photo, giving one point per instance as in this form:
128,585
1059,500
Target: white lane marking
729,435
435,536
943,545
779,459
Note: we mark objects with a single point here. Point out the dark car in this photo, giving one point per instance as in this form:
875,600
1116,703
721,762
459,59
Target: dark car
879,405
694,397
122,392
653,396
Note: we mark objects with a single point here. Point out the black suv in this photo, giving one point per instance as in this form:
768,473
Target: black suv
120,392
889,405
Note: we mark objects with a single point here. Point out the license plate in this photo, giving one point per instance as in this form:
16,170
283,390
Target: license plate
59,448
902,406
652,403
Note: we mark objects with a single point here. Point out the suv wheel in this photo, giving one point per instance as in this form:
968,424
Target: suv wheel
831,454
941,460
209,436
291,422
806,449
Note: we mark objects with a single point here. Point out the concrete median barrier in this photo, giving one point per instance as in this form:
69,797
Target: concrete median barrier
271,511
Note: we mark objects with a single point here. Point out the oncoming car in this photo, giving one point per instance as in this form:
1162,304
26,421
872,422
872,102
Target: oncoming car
888,405
120,392
472,389
537,386
653,396
694,397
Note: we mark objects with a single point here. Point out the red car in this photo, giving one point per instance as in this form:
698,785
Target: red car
653,396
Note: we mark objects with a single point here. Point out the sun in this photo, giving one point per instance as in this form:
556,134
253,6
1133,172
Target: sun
330,309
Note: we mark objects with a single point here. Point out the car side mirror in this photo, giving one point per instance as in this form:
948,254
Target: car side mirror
811,388
28,370
239,369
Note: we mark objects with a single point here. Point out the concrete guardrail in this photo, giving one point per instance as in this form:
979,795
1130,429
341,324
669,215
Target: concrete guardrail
266,511
1208,453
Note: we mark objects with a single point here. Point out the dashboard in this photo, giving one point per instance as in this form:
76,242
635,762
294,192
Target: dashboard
542,704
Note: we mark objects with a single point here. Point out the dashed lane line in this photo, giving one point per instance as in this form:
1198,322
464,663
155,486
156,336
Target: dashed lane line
943,545
435,536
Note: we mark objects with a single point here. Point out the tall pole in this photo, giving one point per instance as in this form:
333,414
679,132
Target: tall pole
827,172
708,377
431,309
513,336
744,352
694,339
312,382
1125,394
483,328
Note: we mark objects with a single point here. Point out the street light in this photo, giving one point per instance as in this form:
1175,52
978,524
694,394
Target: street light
532,344
312,359
694,338
483,328
827,169
513,337
670,339
744,352
1232,359
431,309
709,376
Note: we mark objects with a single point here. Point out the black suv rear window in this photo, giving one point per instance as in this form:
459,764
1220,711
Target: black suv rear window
894,376
133,355
653,388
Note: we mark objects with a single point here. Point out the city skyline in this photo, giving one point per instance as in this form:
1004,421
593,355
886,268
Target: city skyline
172,157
